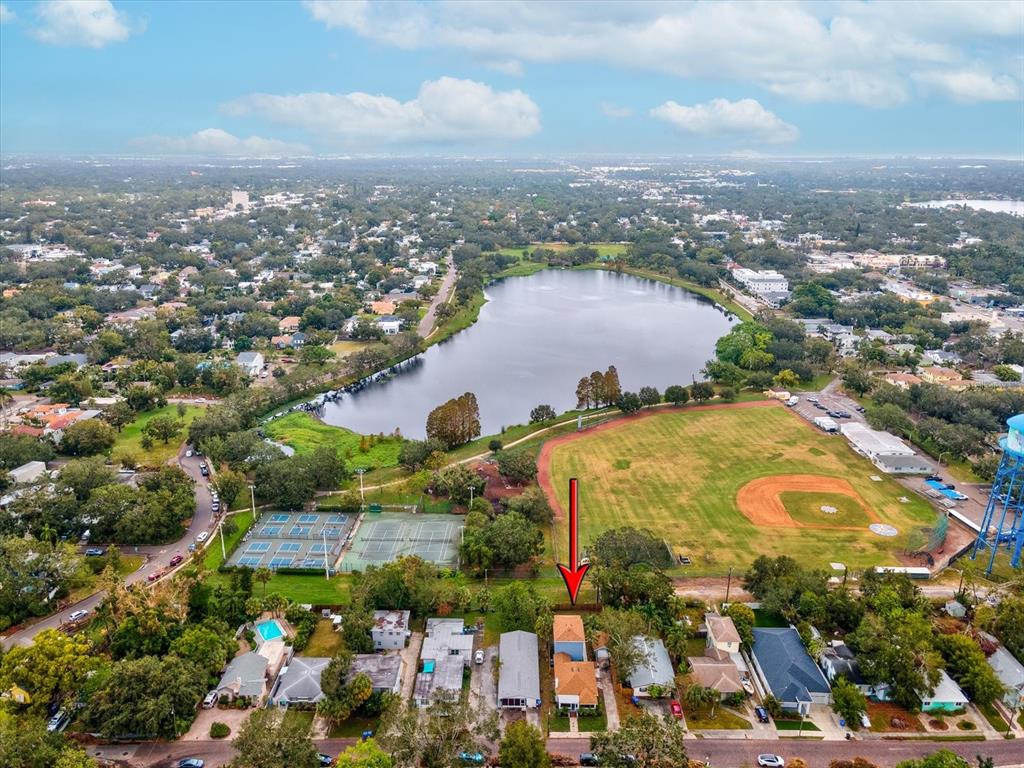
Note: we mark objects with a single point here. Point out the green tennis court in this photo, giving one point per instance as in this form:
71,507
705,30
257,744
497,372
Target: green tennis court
386,536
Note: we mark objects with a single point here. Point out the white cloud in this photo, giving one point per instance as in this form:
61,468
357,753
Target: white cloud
88,23
837,50
512,67
609,109
214,141
6,14
972,85
744,119
445,110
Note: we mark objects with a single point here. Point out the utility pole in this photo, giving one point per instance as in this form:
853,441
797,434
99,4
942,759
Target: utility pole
728,586
327,570
471,497
252,499
362,498
223,549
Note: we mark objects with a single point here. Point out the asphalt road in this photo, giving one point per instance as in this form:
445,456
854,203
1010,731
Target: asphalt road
156,558
720,753
426,325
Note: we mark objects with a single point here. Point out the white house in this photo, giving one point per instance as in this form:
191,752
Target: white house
27,473
390,630
390,325
251,363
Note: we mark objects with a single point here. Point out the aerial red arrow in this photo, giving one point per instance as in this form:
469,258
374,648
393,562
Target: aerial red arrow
574,573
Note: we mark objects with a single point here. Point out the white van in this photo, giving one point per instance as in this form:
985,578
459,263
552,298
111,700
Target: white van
210,700
792,401
203,536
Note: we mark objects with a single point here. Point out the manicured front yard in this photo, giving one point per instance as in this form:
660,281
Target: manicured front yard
587,723
722,719
354,727
299,717
794,725
129,440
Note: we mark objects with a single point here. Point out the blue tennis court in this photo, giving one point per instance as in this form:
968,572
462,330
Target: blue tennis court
293,540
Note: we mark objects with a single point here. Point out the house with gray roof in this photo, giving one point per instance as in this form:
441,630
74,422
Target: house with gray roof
445,653
384,671
299,682
787,671
519,673
1011,674
251,363
837,660
655,670
245,678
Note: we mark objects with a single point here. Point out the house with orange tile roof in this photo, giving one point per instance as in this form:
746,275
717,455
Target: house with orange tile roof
383,307
289,324
946,377
902,380
569,638
575,683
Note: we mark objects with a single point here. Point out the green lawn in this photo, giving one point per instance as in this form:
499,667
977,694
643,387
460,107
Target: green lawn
299,717
305,434
806,508
794,725
325,642
587,723
213,557
354,727
686,467
129,440
767,619
723,719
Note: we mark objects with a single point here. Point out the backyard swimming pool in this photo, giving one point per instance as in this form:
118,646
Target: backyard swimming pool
269,630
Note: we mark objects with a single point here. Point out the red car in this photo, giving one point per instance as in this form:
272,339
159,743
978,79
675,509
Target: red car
677,710
153,576
176,559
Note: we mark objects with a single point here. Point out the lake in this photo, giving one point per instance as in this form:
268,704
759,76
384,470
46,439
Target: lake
536,336
1013,207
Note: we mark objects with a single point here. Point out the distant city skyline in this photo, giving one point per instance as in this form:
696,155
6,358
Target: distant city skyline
870,79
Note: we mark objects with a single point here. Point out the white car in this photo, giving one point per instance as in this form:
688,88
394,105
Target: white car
203,536
77,615
478,657
771,761
189,453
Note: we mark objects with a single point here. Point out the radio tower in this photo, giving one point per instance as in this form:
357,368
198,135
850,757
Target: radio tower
1003,523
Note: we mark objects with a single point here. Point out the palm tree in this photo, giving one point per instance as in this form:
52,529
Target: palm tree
263,575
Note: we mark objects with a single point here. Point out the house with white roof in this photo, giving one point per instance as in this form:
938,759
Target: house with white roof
1011,674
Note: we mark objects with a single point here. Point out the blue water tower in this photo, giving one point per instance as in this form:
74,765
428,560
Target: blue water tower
1003,523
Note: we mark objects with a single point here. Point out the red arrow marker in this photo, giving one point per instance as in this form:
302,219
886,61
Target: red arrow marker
573,575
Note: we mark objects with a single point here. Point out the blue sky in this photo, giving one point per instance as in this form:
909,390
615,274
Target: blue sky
847,78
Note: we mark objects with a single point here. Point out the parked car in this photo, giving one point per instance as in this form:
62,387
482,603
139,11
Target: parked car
792,401
58,722
215,507
812,399
860,409
478,657
78,615
325,759
191,762
210,700
589,759
153,576
188,453
94,552
677,710
203,536
204,470
471,758
865,721
176,559
771,761
762,714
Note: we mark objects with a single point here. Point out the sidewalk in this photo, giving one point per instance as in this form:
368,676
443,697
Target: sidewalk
611,706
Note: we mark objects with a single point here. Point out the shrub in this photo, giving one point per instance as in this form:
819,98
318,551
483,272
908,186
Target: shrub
219,730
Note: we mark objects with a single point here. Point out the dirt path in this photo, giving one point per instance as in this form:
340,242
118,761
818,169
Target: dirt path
544,459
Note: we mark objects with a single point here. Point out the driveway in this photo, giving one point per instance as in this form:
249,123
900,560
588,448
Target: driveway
483,684
411,657
232,718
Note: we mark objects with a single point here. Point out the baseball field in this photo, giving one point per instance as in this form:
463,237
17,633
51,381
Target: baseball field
722,484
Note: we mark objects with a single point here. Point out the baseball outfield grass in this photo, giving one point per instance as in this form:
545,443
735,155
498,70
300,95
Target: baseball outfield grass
678,473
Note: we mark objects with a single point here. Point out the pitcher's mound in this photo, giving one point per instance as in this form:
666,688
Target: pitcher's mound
760,500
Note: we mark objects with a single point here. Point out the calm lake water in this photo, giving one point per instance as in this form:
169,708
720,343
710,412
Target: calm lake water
1014,207
536,336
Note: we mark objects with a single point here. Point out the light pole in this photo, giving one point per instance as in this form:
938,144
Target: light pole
327,570
252,501
223,549
728,584
362,497
471,497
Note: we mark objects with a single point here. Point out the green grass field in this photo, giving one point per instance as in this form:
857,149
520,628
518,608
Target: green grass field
685,468
305,434
805,508
129,440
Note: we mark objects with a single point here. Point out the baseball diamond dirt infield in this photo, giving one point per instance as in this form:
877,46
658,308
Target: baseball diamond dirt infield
722,484
761,500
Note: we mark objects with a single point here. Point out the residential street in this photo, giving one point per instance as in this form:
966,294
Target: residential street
157,557
444,293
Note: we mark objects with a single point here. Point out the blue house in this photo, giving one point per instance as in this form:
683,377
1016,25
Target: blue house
569,637
787,670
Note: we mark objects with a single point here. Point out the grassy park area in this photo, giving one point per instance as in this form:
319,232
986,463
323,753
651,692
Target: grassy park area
305,434
129,440
686,468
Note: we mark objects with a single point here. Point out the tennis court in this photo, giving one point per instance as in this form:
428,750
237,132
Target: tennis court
386,536
291,540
